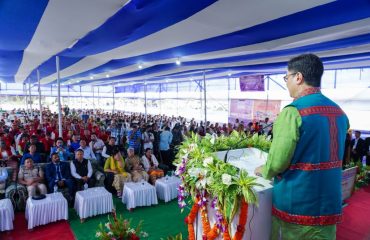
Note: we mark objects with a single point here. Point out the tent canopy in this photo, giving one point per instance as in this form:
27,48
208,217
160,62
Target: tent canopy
131,41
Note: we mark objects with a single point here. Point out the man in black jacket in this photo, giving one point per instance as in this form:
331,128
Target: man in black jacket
357,147
82,171
367,150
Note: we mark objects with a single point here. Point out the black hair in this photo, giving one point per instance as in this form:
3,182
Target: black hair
310,66
79,150
115,151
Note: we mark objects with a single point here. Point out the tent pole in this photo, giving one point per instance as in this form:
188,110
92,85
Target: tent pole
59,105
30,98
39,89
145,103
93,90
177,97
113,98
80,98
25,96
228,97
205,98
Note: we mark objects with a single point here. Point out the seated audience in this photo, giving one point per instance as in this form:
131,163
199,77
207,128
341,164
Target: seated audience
87,151
60,150
58,174
97,146
134,166
82,171
109,148
36,157
32,177
151,166
35,141
115,164
3,178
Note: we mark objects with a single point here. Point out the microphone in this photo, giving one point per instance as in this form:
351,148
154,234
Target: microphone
225,158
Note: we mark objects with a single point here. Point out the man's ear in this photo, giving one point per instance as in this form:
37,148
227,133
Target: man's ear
299,78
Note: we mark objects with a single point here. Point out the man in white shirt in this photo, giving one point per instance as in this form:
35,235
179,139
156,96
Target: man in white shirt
148,138
3,177
87,151
97,146
82,171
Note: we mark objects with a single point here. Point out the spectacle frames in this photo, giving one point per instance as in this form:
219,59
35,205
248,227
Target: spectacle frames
287,76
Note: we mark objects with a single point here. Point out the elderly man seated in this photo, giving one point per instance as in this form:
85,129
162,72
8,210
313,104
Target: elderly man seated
134,166
32,177
58,175
81,170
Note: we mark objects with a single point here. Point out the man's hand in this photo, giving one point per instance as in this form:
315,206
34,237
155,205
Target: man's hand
85,179
258,171
61,183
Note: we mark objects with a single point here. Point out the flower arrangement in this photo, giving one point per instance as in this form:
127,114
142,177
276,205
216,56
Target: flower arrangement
362,176
118,228
204,177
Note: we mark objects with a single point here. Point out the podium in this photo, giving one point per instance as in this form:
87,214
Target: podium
259,220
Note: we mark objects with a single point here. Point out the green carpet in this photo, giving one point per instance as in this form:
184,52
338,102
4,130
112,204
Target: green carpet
160,221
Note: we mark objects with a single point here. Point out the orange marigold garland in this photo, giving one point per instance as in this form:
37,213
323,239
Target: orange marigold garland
190,219
205,223
212,233
242,220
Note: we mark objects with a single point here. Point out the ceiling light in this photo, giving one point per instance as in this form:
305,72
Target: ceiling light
92,77
178,62
166,79
107,76
78,81
191,79
140,66
229,74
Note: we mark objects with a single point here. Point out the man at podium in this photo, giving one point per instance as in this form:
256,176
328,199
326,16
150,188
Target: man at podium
305,157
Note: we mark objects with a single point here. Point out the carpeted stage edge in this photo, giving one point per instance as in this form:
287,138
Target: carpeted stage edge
56,230
356,217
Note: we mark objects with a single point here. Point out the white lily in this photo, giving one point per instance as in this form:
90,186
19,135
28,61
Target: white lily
207,161
226,179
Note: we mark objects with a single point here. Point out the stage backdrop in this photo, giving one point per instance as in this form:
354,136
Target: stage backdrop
249,110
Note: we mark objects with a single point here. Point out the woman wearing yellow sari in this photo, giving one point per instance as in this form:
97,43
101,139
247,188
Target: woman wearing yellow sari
151,166
115,164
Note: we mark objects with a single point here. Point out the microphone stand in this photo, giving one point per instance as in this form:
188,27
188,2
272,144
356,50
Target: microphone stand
227,152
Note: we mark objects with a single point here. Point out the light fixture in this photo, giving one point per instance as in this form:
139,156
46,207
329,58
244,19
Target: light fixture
91,77
107,76
178,62
78,81
191,79
167,80
229,74
140,66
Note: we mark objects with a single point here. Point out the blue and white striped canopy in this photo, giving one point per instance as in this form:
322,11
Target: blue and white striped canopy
128,41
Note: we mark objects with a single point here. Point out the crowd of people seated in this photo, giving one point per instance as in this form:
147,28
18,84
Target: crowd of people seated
125,147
